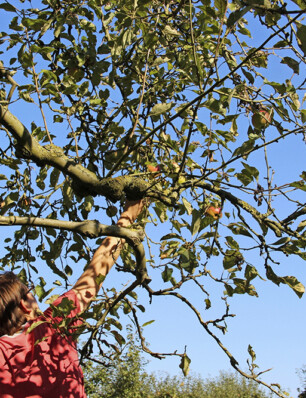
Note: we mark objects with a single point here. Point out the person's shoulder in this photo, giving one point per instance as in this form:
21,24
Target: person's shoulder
15,340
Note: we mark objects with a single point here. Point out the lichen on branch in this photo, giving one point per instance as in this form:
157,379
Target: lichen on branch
84,181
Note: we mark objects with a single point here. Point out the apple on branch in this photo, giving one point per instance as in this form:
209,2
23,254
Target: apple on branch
155,170
214,212
262,118
152,168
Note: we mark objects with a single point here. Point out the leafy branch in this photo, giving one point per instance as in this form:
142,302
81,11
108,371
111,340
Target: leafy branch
91,229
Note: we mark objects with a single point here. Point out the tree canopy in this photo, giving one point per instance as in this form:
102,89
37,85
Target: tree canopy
187,103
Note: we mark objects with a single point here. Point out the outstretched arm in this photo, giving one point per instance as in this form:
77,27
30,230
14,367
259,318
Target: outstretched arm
105,257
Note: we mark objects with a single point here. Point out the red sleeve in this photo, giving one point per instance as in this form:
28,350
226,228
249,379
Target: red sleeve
66,305
63,312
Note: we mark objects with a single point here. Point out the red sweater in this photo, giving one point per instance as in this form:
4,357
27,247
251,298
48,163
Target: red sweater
44,362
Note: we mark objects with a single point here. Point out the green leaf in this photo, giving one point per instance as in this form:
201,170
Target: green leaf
292,63
299,184
231,242
168,30
280,44
115,323
100,279
167,274
120,339
54,176
252,353
249,76
25,96
46,26
88,203
272,276
245,148
170,236
216,105
221,6
251,170
229,290
247,175
161,211
207,303
291,281
64,308
40,180
297,286
301,226
300,3
187,259
133,295
68,270
239,230
232,258
141,307
196,221
236,15
41,292
7,7
34,325
159,109
187,206
148,323
250,272
244,177
22,275
301,35
281,241
184,364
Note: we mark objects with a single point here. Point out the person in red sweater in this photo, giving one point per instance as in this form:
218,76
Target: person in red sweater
42,362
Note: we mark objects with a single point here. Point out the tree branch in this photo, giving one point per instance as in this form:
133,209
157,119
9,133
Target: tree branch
84,182
294,215
277,227
92,229
233,361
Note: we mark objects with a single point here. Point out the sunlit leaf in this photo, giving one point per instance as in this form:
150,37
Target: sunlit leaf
184,364
159,109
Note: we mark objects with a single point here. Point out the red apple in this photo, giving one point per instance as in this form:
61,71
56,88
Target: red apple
214,212
262,118
153,169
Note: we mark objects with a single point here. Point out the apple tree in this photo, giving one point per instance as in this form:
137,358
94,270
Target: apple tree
186,103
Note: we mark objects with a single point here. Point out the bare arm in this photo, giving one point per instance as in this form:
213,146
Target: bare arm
104,257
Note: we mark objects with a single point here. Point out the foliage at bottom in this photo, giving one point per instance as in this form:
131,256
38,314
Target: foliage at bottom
126,377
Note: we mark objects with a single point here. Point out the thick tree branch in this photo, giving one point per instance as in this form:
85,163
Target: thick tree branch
84,182
92,229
